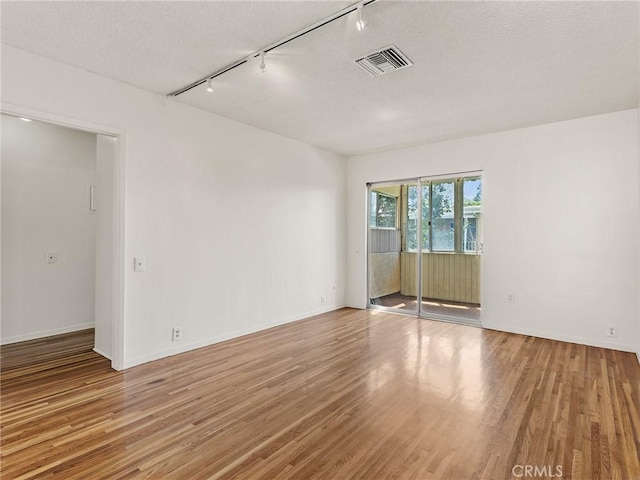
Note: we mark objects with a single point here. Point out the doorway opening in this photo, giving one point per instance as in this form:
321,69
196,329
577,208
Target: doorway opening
61,234
425,247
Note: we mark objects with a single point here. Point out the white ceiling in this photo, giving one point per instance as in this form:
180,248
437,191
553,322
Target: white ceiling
479,66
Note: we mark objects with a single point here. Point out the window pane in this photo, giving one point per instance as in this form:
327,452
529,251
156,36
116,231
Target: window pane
412,217
373,205
472,213
425,217
386,213
442,219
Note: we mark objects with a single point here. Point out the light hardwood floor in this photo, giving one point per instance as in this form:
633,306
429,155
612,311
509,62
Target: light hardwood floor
349,394
47,352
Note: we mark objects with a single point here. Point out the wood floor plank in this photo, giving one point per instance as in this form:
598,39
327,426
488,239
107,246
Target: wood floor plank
348,394
43,351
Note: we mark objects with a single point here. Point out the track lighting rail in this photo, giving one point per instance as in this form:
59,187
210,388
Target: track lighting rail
258,53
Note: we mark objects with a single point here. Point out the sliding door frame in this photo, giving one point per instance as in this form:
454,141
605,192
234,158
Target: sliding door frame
392,183
459,223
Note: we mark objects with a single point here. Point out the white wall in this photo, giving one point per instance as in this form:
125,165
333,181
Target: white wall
560,224
241,228
106,155
46,171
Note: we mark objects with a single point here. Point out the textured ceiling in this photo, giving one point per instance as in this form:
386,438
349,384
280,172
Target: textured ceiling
479,67
157,46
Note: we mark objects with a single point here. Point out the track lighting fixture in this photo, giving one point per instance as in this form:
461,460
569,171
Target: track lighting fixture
360,22
263,66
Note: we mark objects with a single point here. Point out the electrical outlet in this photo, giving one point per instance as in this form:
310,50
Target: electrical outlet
612,331
176,334
52,257
139,264
322,300
511,298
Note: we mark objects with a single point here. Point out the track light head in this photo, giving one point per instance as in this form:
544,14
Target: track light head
361,23
210,85
262,66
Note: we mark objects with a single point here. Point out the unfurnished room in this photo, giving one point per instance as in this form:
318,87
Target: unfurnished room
383,239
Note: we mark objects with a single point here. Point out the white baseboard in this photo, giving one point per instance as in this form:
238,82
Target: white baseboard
45,333
221,338
256,328
357,306
100,352
624,347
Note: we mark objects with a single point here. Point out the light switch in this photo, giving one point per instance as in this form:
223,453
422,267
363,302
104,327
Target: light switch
139,264
52,257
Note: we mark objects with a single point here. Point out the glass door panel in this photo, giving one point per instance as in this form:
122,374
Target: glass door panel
450,250
392,233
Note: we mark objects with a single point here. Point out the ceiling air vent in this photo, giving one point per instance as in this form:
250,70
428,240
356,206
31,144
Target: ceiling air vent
388,59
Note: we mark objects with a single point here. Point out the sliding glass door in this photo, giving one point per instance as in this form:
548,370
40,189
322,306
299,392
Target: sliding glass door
391,226
427,260
450,249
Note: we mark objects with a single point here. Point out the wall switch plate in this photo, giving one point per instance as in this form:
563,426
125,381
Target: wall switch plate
176,334
52,257
139,264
